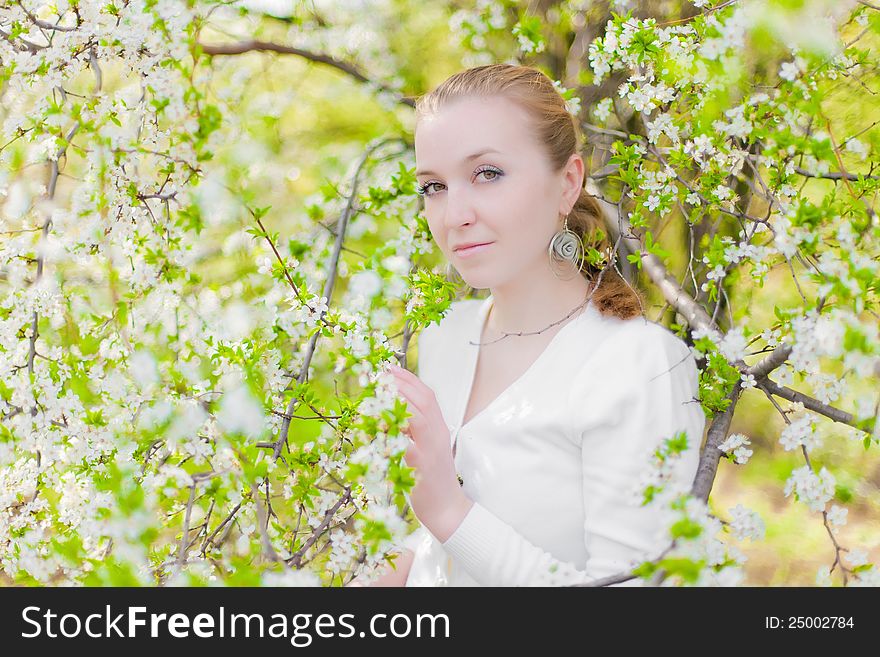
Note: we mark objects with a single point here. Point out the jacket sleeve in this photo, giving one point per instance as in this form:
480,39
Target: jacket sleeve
640,390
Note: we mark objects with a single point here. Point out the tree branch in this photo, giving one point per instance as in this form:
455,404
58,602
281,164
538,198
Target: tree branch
45,25
21,44
710,456
813,404
263,524
329,285
254,45
776,358
684,303
296,558
834,175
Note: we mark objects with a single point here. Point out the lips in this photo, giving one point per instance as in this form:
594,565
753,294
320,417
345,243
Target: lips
469,246
473,251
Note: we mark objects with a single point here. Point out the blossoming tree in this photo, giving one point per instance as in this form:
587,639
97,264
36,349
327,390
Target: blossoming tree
192,396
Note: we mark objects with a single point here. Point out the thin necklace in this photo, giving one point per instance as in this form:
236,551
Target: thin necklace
521,333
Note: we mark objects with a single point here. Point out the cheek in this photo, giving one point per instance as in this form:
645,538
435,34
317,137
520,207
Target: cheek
521,214
527,226
524,200
437,230
534,210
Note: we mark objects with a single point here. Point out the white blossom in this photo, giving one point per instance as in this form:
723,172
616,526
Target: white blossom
788,71
857,147
856,557
746,523
239,410
811,489
602,109
837,515
737,445
733,345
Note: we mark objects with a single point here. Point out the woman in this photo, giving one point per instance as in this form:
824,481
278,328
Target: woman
536,410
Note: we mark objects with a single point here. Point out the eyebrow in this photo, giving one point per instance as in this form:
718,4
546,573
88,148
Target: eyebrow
467,159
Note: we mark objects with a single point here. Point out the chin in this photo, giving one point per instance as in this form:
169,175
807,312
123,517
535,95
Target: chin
478,282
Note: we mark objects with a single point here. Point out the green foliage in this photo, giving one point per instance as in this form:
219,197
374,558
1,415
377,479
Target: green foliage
196,207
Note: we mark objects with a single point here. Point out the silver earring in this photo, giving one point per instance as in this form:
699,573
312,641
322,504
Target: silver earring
566,249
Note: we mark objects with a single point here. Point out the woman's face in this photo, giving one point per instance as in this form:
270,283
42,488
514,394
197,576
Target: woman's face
507,196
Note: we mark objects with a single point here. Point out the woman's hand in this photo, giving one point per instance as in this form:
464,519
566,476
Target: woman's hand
437,498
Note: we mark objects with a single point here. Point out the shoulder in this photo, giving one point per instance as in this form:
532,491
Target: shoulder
639,363
655,341
637,350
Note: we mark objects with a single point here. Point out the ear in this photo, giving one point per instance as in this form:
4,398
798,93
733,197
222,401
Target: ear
572,182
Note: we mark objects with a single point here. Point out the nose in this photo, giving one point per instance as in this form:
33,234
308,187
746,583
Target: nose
459,209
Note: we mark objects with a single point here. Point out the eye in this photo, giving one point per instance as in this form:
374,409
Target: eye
496,174
421,189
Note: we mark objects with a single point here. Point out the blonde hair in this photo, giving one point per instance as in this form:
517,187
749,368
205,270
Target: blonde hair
558,132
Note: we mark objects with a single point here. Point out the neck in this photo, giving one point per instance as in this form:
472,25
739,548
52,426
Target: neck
535,299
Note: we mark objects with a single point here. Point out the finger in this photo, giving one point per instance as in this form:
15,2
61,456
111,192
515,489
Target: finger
411,394
402,371
406,429
413,427
409,377
414,420
411,457
415,391
403,385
